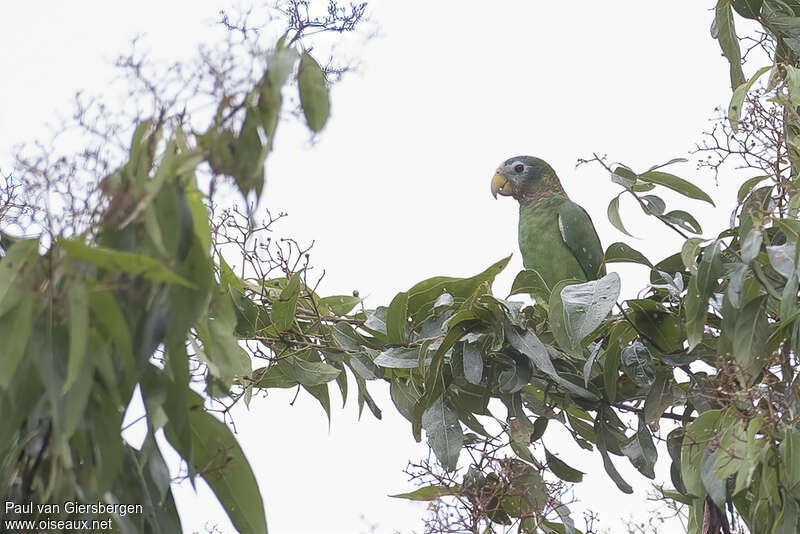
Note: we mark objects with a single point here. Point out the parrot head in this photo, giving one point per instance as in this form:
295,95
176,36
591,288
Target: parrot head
526,179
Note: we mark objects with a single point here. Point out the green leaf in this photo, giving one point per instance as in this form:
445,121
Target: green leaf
283,309
397,319
585,306
399,358
752,245
445,436
683,220
750,337
623,253
473,363
689,252
790,458
614,218
561,469
13,264
700,288
405,396
659,398
78,306
653,205
641,450
638,364
222,353
714,485
748,186
310,373
737,100
340,304
602,447
782,258
218,458
623,176
15,330
117,260
429,493
726,35
528,344
422,296
679,185
657,324
749,9
313,92
277,375
531,282
108,314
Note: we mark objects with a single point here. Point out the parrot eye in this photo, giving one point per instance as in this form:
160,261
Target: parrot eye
519,167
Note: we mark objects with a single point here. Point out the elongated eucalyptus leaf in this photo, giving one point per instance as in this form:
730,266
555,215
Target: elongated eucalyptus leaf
218,458
623,253
128,262
728,41
641,450
313,92
445,436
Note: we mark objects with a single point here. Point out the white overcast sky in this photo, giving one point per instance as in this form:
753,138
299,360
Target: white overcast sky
397,188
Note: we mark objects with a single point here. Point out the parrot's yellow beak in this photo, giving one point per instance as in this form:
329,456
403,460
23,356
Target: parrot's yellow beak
501,185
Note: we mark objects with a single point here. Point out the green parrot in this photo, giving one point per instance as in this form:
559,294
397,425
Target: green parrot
556,236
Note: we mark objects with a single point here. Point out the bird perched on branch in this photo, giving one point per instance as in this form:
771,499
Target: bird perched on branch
556,236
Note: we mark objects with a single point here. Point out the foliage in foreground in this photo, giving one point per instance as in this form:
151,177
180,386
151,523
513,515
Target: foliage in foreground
710,347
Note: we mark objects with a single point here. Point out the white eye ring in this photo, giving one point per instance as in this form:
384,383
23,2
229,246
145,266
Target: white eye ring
518,166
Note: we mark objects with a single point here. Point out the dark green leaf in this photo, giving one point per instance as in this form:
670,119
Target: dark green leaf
657,324
117,260
679,185
78,299
429,493
561,469
445,436
614,218
602,447
218,458
658,399
340,304
528,344
714,485
473,363
283,310
531,282
750,337
311,373
700,288
737,100
622,253
638,364
749,9
397,318
748,186
422,296
313,92
654,205
15,330
12,265
399,358
641,450
728,41
684,220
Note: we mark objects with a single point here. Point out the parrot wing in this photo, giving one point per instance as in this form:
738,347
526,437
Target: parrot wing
580,237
